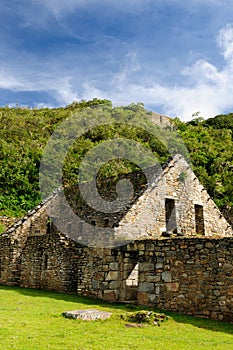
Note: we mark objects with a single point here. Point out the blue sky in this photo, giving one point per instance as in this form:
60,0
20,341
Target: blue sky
174,56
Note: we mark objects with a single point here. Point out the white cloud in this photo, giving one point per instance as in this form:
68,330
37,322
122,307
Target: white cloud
203,86
68,76
202,71
225,42
128,67
211,89
65,91
8,81
31,74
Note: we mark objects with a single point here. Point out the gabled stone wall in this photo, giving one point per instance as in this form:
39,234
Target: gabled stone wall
190,274
144,217
6,221
147,216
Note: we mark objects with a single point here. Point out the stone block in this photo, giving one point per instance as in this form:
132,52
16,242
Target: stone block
209,245
142,298
112,276
159,266
217,292
166,276
152,278
114,266
109,295
95,284
150,247
105,267
181,296
141,246
142,277
114,285
87,315
103,285
99,276
172,287
146,266
152,298
146,287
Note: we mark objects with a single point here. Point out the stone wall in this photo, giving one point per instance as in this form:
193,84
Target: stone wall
147,216
192,276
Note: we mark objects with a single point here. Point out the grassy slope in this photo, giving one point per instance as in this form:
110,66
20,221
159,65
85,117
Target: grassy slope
31,319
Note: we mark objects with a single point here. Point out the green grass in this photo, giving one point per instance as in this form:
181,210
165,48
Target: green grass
31,320
2,228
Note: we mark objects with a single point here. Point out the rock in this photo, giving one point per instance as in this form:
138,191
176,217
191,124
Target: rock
87,315
166,276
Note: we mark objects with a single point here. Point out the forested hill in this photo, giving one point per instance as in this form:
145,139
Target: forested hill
24,133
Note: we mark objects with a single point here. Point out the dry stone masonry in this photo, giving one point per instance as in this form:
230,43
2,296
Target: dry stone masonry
179,257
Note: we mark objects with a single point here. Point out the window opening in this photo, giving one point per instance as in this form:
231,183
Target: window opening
132,280
49,225
45,261
170,213
199,219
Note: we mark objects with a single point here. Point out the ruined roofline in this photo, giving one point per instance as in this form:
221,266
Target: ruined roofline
142,188
31,212
157,175
165,167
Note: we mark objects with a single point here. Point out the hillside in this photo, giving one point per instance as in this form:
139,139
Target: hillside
211,150
24,133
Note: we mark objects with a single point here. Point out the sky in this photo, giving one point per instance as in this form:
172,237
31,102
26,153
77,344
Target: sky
174,56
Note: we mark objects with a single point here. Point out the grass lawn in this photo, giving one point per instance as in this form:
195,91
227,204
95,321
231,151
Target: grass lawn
32,319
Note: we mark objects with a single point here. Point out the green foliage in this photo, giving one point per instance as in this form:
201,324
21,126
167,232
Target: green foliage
210,145
24,133
117,130
220,122
182,176
145,316
2,228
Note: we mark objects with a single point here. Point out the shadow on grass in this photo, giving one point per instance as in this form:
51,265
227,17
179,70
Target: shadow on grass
215,326
72,297
212,325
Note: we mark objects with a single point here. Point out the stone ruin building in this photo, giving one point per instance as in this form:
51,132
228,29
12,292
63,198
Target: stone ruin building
170,248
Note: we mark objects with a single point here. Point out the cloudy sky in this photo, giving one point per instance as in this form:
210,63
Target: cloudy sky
174,56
